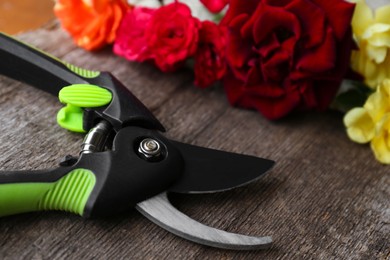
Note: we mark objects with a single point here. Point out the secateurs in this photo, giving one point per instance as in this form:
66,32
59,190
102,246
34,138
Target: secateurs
125,161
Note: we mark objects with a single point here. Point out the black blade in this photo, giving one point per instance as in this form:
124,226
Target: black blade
207,170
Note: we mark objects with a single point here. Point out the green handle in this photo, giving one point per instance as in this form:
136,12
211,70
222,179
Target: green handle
69,193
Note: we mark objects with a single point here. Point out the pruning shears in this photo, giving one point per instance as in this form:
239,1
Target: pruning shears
124,161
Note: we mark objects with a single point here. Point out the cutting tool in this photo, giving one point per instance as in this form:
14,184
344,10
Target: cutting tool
125,160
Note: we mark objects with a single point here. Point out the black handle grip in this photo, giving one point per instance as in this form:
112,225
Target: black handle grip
98,184
34,67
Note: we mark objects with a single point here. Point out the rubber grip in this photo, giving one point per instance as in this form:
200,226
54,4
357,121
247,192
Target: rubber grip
69,193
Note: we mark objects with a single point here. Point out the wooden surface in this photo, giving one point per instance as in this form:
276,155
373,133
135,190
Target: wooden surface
20,15
326,198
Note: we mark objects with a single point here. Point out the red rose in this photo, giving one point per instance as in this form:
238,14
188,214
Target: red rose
286,55
131,41
215,6
172,35
210,63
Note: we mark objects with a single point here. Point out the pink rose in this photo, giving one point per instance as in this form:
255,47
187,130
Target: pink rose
131,41
167,35
172,35
215,6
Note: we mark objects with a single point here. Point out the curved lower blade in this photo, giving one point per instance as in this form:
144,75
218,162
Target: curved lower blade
160,211
208,170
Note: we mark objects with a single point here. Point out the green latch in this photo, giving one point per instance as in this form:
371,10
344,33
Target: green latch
76,97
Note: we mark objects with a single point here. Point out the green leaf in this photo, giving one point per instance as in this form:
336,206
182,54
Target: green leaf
353,94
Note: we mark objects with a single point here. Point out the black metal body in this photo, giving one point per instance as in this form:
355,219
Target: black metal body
123,178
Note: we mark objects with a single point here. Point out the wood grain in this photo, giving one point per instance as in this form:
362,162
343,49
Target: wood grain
326,198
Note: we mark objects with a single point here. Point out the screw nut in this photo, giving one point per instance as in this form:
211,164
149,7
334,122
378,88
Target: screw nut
149,148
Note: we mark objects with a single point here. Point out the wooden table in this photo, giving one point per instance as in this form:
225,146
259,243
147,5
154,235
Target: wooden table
326,198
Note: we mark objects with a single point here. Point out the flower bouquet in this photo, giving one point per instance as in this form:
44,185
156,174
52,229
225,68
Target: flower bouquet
276,56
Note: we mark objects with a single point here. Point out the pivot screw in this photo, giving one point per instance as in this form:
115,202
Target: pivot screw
150,149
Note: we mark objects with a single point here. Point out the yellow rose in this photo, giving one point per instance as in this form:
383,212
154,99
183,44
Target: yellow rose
380,144
371,123
371,31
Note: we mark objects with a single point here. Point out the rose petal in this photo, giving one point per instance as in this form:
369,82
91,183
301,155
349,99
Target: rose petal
237,8
344,49
320,59
277,3
360,127
308,96
210,63
380,144
312,20
380,40
272,108
215,6
131,41
376,28
172,36
238,49
277,67
362,17
325,90
253,98
377,104
254,75
376,54
338,20
268,46
273,18
382,14
233,88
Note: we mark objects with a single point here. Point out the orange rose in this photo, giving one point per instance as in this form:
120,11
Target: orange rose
92,23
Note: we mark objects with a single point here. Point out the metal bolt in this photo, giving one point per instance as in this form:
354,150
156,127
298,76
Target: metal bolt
96,139
150,148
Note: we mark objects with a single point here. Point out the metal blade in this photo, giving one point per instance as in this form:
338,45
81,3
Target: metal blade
207,170
160,211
